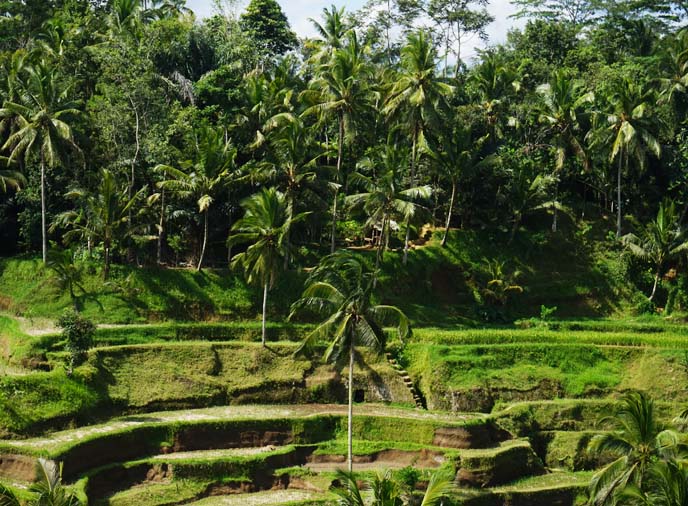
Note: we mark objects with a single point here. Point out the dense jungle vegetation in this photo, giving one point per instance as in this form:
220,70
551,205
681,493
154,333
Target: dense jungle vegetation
215,233
134,133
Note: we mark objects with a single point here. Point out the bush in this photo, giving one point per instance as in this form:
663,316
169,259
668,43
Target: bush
78,333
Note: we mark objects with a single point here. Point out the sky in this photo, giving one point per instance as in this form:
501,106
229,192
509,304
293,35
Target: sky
298,12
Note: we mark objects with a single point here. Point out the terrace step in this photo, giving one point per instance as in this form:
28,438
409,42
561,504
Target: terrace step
408,381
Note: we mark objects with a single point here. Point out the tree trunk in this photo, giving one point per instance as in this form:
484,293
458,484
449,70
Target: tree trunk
265,308
161,224
132,182
44,230
349,458
449,214
412,183
340,151
656,283
514,228
106,269
555,211
618,197
205,240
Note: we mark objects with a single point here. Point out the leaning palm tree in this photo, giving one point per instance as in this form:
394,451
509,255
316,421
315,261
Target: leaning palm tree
48,491
384,198
637,439
659,241
341,288
387,492
202,177
457,153
38,122
416,98
265,225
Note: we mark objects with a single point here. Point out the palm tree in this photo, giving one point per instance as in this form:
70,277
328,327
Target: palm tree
387,492
563,100
265,225
630,133
341,90
48,491
458,153
101,216
666,485
416,97
341,288
383,198
659,241
637,439
202,177
331,31
494,81
39,127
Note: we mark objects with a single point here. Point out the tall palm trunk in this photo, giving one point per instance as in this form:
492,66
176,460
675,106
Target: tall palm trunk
205,240
412,184
449,213
618,196
350,426
656,283
554,209
340,150
44,230
161,225
106,247
265,308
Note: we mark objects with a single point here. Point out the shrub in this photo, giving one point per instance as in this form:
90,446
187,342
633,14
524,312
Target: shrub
78,333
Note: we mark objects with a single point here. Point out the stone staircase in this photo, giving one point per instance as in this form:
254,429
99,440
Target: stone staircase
404,375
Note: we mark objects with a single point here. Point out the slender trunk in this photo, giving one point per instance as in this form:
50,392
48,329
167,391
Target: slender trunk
340,150
514,228
265,308
349,458
618,197
161,225
458,51
380,250
44,230
132,181
205,240
656,283
411,185
106,247
554,206
449,213
389,21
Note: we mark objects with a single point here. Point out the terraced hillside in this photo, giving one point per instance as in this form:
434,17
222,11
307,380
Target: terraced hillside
510,410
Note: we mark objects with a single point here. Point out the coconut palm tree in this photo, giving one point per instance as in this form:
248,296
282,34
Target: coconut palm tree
384,198
331,33
637,439
659,241
629,133
341,90
340,288
101,216
458,152
666,485
563,100
204,176
416,98
387,492
265,225
39,127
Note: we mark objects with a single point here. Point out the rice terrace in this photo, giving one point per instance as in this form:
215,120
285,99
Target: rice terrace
374,253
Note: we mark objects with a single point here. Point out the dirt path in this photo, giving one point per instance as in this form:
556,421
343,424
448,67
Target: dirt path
269,498
254,412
